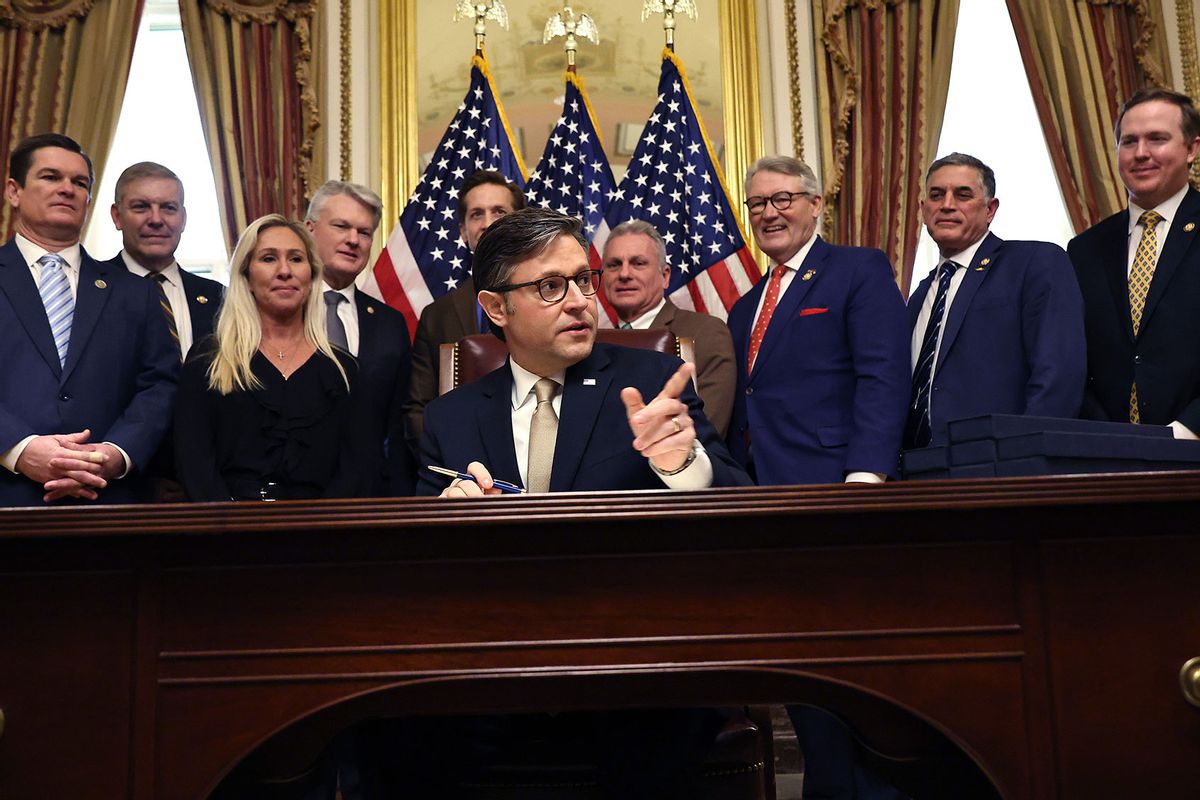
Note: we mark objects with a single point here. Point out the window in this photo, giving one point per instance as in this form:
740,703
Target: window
990,115
160,121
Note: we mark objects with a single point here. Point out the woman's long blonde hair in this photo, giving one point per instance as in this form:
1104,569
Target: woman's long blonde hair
239,327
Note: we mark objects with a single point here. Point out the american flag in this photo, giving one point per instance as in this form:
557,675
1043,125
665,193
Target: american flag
674,183
573,176
425,257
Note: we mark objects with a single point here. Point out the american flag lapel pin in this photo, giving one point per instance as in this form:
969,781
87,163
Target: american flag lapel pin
589,381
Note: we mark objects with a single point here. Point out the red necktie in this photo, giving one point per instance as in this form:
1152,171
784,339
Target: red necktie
764,316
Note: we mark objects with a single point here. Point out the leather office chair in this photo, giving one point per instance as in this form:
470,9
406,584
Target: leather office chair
470,358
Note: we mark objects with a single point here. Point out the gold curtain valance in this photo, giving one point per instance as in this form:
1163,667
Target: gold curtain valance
263,12
37,15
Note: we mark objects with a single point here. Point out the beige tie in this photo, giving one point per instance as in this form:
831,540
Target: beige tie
543,431
1140,277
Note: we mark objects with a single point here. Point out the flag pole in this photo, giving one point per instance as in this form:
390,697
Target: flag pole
481,12
669,8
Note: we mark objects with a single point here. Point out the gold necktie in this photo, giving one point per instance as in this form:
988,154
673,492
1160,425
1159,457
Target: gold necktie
543,432
1140,275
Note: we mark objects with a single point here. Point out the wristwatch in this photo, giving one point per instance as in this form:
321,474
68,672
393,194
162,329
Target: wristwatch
687,462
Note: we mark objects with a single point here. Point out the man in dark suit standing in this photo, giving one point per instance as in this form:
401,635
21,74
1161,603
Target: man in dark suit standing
343,218
636,274
149,212
997,326
483,198
822,355
1139,271
538,290
89,364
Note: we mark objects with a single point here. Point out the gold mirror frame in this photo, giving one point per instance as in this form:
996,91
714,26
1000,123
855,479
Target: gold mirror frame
398,77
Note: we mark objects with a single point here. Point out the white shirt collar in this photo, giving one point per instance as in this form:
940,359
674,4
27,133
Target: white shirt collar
964,257
644,320
795,261
31,252
1167,208
523,381
171,271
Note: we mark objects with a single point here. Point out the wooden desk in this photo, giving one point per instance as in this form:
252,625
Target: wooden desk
1040,624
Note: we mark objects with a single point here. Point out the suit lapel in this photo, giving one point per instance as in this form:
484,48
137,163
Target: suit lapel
580,409
807,276
1179,241
976,273
917,299
494,417
367,335
18,284
464,308
1112,248
200,313
665,316
90,298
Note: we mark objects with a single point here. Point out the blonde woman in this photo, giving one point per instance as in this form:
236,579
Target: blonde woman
267,409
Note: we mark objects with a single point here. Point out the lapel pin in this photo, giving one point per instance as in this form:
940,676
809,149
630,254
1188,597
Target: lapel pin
808,275
201,299
370,309
1191,226
101,284
985,262
589,381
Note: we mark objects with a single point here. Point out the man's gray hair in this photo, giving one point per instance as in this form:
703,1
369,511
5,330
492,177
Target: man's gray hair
986,176
785,165
141,170
640,226
357,191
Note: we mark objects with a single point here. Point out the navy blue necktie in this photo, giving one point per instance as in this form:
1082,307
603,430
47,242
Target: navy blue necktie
917,430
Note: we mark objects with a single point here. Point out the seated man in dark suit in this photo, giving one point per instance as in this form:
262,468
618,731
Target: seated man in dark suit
149,212
538,290
343,218
90,365
636,274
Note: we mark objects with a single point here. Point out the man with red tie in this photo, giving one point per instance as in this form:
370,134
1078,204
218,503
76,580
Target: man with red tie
821,345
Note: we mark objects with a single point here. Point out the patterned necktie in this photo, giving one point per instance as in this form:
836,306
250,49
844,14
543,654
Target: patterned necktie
917,429
1140,275
160,280
543,432
333,323
56,297
764,316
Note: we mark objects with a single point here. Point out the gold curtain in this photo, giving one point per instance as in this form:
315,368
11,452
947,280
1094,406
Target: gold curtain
64,64
883,73
1083,58
254,68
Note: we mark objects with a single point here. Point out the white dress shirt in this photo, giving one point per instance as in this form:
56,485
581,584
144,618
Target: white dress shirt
176,296
643,322
963,259
697,475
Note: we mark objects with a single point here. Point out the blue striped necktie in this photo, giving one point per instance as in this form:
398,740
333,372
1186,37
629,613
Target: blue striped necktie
917,432
56,297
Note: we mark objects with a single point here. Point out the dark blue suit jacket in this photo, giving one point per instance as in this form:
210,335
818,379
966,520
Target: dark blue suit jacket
1013,340
1165,356
830,386
119,378
384,366
204,298
594,450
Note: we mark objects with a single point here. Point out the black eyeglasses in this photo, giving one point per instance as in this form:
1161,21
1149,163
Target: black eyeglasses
553,288
781,201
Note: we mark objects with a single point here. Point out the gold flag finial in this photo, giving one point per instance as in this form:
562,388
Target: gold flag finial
669,8
481,12
569,24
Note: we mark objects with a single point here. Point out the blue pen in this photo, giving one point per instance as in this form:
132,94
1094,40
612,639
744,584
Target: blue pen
504,486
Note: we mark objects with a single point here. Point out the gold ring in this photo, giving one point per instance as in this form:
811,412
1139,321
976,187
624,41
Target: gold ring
675,422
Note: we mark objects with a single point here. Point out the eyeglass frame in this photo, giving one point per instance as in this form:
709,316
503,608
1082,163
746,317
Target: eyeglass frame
751,202
566,279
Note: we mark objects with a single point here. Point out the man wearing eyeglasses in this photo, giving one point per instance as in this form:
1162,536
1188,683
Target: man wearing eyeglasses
636,276
821,344
538,291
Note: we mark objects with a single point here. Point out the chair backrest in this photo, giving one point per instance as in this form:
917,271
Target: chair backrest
472,357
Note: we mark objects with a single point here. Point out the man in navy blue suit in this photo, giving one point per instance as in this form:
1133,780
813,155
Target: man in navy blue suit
538,291
88,363
821,345
997,326
343,218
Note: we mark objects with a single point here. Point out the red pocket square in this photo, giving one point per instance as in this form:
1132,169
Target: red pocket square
808,312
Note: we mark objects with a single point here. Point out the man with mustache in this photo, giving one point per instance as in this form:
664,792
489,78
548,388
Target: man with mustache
89,365
1139,271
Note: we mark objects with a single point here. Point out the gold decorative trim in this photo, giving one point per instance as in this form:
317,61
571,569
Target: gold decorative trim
263,12
793,60
740,98
1186,26
35,16
301,18
344,145
397,104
